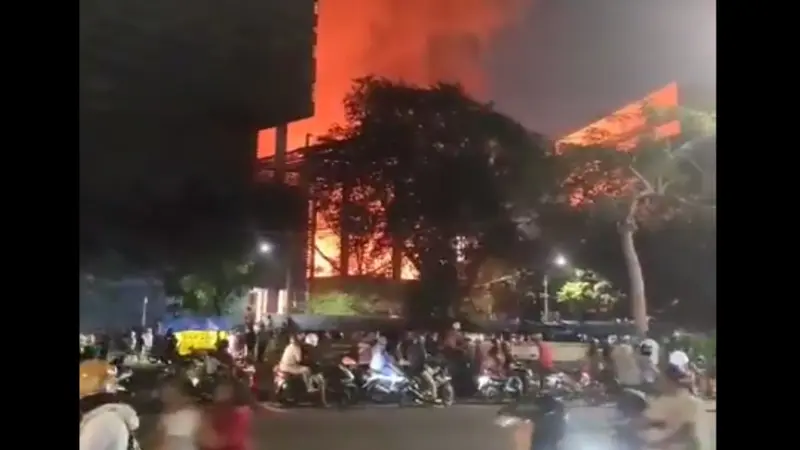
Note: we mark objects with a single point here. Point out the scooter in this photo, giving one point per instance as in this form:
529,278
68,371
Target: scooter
392,387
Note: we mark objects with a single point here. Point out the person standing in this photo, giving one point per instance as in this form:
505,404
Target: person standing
132,341
626,365
544,364
147,344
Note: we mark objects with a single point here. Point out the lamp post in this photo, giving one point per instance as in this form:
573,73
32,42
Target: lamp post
558,261
267,248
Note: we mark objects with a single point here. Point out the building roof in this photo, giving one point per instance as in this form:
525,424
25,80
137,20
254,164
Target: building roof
625,123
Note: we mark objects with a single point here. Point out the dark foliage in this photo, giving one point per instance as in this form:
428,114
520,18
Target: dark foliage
444,174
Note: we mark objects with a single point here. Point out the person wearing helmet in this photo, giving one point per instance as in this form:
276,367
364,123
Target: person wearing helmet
106,423
677,356
672,420
648,354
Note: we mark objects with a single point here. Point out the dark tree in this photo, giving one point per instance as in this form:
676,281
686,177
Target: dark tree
444,173
652,180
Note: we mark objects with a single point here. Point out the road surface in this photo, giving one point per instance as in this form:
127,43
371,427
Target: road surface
462,427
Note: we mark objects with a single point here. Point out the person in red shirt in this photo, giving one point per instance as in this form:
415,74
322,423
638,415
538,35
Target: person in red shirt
545,363
227,423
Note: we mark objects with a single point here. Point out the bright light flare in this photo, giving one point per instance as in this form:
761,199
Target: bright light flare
264,248
560,261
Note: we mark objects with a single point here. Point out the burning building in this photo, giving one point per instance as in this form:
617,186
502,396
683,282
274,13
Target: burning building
621,127
323,256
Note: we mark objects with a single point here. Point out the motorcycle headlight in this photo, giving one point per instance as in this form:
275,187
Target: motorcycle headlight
194,380
483,379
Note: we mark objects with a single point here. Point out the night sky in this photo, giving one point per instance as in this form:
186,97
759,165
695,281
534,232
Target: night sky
574,61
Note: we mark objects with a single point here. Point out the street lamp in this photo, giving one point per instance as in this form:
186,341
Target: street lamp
264,248
267,249
558,261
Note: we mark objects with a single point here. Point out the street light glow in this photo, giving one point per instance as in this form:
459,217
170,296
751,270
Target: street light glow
560,261
264,248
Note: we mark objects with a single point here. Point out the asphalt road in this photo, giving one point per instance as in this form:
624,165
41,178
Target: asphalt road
462,427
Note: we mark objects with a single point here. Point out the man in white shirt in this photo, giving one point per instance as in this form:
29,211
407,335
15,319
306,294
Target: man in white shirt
626,365
290,362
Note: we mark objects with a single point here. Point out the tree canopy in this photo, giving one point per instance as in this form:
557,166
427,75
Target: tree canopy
587,292
434,174
651,179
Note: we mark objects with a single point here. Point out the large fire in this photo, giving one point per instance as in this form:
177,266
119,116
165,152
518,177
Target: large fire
419,41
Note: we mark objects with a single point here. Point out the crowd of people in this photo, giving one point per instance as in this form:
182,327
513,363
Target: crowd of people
666,368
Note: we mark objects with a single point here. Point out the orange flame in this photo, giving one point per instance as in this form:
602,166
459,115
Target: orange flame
418,41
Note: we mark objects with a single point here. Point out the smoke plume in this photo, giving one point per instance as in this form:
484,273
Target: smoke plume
419,41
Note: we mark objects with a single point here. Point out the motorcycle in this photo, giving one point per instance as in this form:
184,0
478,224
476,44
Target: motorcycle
341,382
442,383
579,386
397,387
495,388
291,390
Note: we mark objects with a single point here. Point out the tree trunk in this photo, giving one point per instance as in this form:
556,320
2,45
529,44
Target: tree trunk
635,277
345,227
